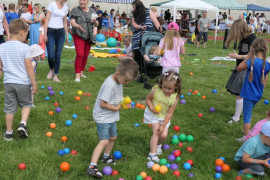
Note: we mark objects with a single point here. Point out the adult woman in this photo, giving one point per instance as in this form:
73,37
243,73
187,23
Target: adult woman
3,25
143,21
178,17
110,20
36,17
184,22
82,29
239,31
18,8
55,29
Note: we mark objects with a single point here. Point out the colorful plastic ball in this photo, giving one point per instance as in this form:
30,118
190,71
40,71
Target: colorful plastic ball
219,162
158,108
73,152
249,176
178,159
212,109
174,166
117,155
124,52
176,128
64,138
225,168
139,177
88,94
49,134
218,169
115,173
200,115
176,173
61,152
191,73
214,91
111,42
171,157
56,104
58,110
64,166
218,175
163,169
187,166
136,124
68,122
266,101
74,116
190,138
107,170
61,92
100,37
143,174
86,107
203,97
222,158
182,96
190,162
22,166
166,147
182,137
175,141
77,98
198,94
50,113
189,93
190,175
80,92
47,98
189,149
177,153
148,178
168,165
50,88
121,179
51,92
238,178
52,125
162,162
67,151
42,87
183,101
150,164
155,167
180,144
175,136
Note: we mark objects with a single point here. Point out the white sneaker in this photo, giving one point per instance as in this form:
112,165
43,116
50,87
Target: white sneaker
83,76
153,158
240,139
233,121
159,150
77,80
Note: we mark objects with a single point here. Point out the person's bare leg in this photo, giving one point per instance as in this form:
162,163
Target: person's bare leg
9,121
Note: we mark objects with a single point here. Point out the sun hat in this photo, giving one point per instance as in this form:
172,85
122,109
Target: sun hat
36,50
266,129
173,26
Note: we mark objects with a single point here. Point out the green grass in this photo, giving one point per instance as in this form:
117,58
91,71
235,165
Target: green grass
213,136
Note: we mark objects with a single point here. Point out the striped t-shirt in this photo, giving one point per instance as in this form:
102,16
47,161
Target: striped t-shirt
12,55
112,93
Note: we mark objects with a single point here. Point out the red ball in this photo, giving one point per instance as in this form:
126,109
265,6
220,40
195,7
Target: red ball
56,104
238,178
22,166
190,90
73,152
84,94
86,107
115,173
88,94
177,153
200,115
189,149
180,144
176,128
148,178
176,173
190,162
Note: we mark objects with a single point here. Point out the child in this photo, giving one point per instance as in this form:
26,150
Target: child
253,155
11,14
166,95
152,54
255,80
190,34
41,42
128,48
15,61
26,16
106,112
117,21
257,128
172,45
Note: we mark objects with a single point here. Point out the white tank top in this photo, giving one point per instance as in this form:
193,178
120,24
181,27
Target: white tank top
1,22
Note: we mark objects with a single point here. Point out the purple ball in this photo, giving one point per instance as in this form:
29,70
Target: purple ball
166,146
150,164
51,92
183,101
174,166
107,170
218,169
58,110
171,157
190,175
50,88
212,109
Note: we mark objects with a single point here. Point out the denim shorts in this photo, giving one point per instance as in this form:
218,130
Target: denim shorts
247,109
106,130
204,35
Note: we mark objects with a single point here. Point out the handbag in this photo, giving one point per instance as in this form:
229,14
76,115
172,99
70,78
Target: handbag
92,37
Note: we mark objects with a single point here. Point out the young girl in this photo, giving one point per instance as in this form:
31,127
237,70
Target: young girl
128,48
41,42
255,80
110,20
172,45
117,20
161,102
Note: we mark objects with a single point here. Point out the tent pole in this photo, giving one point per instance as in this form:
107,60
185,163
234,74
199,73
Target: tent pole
174,14
216,28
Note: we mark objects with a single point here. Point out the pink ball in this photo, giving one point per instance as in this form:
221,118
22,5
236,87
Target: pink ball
121,179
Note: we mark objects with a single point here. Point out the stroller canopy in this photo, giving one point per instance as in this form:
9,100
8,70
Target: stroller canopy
150,39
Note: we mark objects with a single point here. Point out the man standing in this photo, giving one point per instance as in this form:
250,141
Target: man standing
228,23
100,18
203,24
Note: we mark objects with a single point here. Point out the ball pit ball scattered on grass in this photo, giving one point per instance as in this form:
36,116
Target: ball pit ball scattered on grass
47,98
182,96
155,167
136,124
238,178
50,88
86,107
187,166
174,166
182,137
168,165
200,115
214,91
67,151
58,109
91,68
222,158
148,178
219,162
74,116
61,152
107,170
171,157
212,109
178,159
190,138
56,104
189,149
77,98
65,166
49,134
182,101
68,123
150,164
139,177
42,87
52,125
218,169
79,93
249,176
121,179
162,162
177,153
176,128
115,173
61,92
64,138
175,136
163,169
198,94
88,94
50,113
51,92
218,175
117,155
176,173
175,141
189,93
190,162
203,97
180,144
166,147
191,73
22,166
190,175
266,101
143,174
73,152
225,168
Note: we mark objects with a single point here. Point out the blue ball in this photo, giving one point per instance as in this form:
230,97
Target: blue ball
61,92
100,38
67,151
182,96
132,104
42,87
187,166
168,165
222,158
214,91
68,122
125,52
266,101
175,136
61,152
47,98
218,175
117,155
137,124
189,93
74,116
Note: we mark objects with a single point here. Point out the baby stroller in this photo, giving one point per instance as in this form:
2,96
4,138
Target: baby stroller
151,68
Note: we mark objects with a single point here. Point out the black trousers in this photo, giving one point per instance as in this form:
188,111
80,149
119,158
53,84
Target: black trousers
139,59
225,37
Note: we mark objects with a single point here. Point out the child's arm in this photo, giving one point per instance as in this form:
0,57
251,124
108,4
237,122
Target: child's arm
40,39
242,66
146,58
31,74
159,51
110,107
149,101
265,80
1,68
182,50
247,159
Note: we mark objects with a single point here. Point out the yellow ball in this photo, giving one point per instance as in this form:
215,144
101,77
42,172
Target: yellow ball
127,100
162,52
158,108
163,169
124,106
79,92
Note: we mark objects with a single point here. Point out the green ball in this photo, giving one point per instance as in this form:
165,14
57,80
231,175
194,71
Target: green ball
182,137
190,138
249,176
175,141
199,94
111,42
139,177
178,158
162,162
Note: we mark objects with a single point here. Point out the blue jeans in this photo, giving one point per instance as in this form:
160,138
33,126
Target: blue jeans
106,130
55,43
247,109
2,39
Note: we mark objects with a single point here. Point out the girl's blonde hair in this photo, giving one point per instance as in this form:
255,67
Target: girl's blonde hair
19,4
39,8
239,30
171,76
153,49
258,46
128,38
169,38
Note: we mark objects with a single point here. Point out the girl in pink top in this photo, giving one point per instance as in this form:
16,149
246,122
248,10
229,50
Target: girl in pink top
257,128
172,45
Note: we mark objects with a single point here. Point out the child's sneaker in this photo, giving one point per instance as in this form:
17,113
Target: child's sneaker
242,139
153,158
8,137
93,171
159,150
22,130
108,160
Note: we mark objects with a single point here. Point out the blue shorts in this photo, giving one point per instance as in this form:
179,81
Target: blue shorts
106,130
247,109
204,35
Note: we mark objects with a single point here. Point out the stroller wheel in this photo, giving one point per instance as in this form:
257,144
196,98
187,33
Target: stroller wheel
140,79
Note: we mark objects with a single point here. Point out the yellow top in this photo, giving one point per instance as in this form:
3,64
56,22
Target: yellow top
162,100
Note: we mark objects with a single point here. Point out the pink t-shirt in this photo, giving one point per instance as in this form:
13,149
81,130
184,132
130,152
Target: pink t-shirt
256,129
171,57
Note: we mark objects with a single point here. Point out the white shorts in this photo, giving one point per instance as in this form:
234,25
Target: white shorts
150,118
165,69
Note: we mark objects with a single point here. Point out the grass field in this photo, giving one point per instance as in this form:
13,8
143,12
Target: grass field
213,136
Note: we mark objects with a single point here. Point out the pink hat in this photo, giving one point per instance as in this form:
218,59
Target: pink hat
173,26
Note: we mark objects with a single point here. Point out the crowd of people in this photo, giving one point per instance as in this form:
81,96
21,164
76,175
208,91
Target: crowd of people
47,29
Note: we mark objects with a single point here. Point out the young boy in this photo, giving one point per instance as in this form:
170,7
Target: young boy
253,155
11,14
106,112
15,62
26,16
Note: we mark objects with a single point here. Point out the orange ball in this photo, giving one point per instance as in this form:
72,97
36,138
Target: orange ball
77,98
52,125
204,97
142,106
138,105
50,113
149,125
191,73
64,138
225,168
219,162
49,134
155,167
163,169
196,92
143,174
64,166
